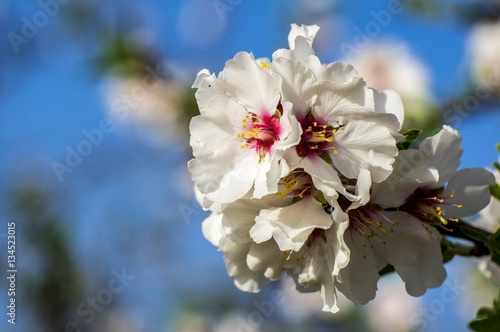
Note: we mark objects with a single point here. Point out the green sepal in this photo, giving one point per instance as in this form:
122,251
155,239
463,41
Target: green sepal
410,136
386,270
474,234
326,157
495,191
493,244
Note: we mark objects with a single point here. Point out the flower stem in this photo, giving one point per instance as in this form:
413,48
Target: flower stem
464,230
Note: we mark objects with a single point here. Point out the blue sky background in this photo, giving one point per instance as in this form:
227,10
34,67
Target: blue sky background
123,202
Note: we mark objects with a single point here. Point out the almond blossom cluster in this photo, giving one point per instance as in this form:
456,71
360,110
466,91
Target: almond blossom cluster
298,161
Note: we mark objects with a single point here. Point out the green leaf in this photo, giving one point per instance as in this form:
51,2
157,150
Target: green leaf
488,319
496,164
495,191
493,244
410,136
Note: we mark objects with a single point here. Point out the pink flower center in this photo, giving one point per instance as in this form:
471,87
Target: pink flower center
369,222
261,132
296,185
425,204
317,138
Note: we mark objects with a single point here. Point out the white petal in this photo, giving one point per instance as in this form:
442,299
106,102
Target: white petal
336,100
229,176
302,49
208,87
212,228
389,102
291,225
404,238
266,257
269,175
239,217
411,170
251,86
324,176
335,72
218,127
308,32
470,189
427,270
316,269
445,149
297,80
235,260
202,74
291,130
196,170
362,144
358,280
363,186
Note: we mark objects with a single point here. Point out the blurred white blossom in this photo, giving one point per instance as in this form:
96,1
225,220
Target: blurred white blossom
484,51
392,309
149,105
124,321
391,65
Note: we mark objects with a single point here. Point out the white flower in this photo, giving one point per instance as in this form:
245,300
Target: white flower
241,132
408,238
376,238
338,118
424,172
484,51
337,113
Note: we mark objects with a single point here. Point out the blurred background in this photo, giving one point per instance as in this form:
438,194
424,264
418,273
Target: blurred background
95,102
